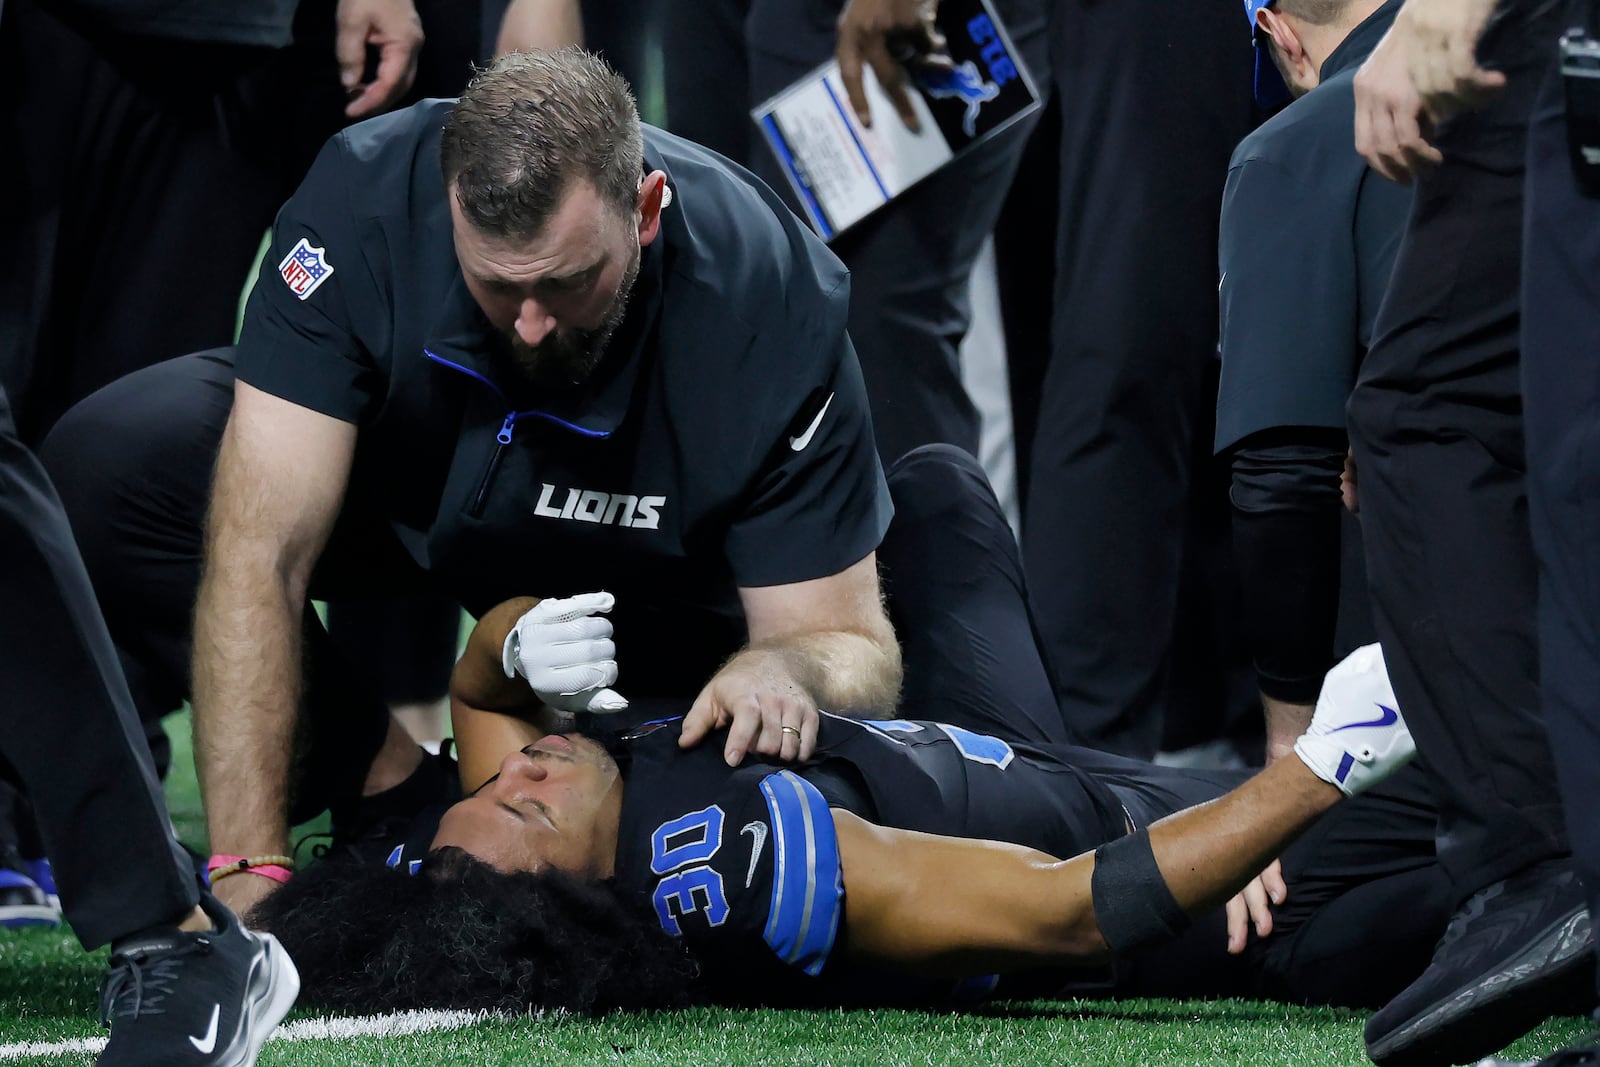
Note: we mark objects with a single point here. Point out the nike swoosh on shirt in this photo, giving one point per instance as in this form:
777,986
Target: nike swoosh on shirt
209,1042
758,840
1389,717
799,443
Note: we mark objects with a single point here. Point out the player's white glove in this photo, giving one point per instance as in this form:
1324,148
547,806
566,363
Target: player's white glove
565,652
1357,737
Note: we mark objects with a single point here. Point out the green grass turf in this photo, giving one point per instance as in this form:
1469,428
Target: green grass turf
48,993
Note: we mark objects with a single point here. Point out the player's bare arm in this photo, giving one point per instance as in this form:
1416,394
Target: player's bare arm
959,907
826,642
954,907
490,713
280,477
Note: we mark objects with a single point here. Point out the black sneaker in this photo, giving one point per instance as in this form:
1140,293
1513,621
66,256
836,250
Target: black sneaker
1501,967
173,997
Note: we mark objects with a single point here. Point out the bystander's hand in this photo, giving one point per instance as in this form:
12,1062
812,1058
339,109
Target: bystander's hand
1443,55
883,35
392,26
1390,132
764,708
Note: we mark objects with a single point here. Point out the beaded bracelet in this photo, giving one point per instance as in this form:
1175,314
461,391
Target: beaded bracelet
278,868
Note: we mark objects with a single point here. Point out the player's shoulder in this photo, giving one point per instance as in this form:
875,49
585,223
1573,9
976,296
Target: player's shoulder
740,862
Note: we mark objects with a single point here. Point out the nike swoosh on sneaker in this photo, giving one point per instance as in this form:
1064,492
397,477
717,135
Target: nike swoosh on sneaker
209,1042
799,443
1389,717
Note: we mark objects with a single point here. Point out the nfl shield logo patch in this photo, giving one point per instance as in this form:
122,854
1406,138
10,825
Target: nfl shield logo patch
304,268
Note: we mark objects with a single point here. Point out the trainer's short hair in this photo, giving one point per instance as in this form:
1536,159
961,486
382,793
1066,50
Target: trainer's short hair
1316,12
460,935
529,126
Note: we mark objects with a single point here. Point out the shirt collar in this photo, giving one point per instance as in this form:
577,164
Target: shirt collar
1359,43
462,336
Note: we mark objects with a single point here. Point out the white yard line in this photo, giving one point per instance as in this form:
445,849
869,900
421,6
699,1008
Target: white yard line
326,1028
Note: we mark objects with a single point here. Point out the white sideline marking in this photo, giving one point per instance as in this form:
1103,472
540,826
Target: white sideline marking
327,1028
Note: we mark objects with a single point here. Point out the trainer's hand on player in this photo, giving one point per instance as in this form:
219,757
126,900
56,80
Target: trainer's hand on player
564,650
392,26
1253,905
1357,736
764,708
1389,118
873,33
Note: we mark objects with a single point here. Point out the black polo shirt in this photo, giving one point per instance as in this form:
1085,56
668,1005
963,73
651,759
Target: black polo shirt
1308,238
724,441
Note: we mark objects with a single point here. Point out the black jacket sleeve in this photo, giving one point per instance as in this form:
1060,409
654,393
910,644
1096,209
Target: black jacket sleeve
1286,516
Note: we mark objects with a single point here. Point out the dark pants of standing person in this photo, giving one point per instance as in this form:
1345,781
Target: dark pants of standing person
68,733
1436,425
1561,413
1153,99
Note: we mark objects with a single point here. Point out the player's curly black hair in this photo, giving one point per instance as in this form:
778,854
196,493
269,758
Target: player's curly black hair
459,934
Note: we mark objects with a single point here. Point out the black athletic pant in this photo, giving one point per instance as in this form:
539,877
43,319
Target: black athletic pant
1561,408
1367,899
953,581
1436,424
68,732
1153,99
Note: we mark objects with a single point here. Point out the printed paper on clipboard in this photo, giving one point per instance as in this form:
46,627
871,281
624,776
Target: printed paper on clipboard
842,171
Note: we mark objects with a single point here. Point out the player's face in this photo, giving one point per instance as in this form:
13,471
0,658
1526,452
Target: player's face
558,297
555,804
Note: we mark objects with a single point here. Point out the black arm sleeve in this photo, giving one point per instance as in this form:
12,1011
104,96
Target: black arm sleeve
1286,542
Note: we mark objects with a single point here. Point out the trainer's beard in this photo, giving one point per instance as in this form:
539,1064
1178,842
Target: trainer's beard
567,358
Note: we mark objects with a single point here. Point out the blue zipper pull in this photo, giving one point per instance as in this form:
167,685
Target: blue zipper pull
504,436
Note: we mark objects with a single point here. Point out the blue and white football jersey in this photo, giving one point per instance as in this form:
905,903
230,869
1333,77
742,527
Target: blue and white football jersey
743,864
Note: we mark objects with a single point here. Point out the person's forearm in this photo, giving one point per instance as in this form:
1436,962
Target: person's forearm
951,907
1208,852
491,714
246,692
845,672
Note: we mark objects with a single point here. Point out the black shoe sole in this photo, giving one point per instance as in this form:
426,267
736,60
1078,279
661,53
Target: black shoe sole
1483,1018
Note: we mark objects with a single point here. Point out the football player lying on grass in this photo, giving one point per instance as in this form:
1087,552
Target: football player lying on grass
903,862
